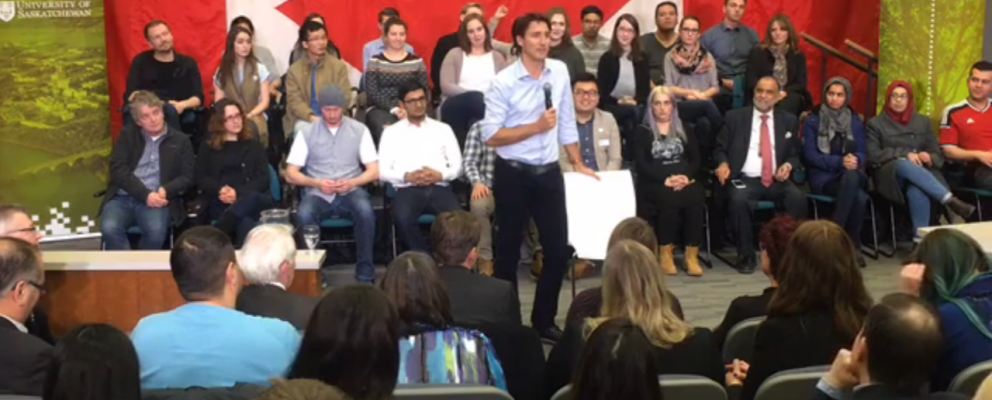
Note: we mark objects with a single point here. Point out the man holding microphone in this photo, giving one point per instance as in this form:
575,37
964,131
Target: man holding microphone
529,113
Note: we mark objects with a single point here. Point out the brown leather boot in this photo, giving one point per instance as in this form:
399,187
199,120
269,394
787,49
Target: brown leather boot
692,261
582,268
486,267
537,265
667,260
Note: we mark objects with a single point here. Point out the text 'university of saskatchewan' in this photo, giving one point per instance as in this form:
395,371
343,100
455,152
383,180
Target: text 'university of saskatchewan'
44,9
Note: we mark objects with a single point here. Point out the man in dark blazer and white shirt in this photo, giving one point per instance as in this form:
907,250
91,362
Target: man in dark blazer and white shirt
475,299
268,261
748,175
23,357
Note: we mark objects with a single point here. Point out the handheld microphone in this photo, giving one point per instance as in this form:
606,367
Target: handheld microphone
547,97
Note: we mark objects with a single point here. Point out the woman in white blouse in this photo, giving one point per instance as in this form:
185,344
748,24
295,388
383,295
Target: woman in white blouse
466,74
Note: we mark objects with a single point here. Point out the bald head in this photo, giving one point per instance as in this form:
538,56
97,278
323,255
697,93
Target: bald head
904,341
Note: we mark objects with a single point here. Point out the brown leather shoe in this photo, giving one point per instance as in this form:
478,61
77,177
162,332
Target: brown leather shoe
485,267
583,268
537,265
667,259
692,261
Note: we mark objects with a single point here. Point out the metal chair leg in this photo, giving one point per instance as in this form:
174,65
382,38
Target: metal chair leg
709,245
816,209
978,205
874,229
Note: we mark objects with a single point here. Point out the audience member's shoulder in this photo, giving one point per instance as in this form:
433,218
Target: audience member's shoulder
743,112
25,341
144,56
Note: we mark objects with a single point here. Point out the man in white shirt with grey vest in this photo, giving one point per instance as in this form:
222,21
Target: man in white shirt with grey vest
420,157
339,157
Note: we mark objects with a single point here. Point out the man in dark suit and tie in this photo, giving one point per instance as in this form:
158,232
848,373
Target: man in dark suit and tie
15,222
23,357
757,151
475,299
268,260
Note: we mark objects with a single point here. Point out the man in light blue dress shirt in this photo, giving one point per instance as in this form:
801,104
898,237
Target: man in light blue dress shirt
527,133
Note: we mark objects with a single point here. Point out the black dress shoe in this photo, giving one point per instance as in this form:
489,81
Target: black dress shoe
552,334
745,264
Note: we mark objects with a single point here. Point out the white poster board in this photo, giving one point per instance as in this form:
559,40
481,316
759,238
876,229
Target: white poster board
595,208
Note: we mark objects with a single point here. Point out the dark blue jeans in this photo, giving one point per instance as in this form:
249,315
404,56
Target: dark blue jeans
357,206
123,212
850,204
239,218
463,110
412,202
920,187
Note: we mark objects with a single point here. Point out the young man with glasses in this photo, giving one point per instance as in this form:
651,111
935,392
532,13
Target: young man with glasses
419,157
23,357
530,112
306,76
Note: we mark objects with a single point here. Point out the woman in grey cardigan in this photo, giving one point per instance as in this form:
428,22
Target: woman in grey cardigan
466,74
906,160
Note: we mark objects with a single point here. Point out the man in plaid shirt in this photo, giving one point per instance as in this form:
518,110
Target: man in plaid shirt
478,164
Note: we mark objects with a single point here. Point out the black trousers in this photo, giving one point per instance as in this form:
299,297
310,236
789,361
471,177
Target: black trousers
520,195
413,201
744,200
628,117
461,111
850,204
377,119
685,223
982,177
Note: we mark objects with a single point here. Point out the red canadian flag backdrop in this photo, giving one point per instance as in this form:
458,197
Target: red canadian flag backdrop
200,26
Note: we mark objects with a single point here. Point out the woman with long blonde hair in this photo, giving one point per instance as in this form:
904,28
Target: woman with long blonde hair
634,288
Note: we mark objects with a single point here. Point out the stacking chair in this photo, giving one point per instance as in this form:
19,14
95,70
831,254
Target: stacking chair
740,340
449,392
968,381
798,383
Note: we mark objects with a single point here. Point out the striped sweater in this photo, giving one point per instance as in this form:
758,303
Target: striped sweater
384,77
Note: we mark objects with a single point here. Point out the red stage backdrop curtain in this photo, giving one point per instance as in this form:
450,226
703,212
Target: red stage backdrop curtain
199,28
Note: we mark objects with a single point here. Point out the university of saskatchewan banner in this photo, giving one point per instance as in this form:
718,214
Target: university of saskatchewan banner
54,112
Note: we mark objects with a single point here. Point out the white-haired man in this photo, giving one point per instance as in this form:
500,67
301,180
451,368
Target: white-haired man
268,261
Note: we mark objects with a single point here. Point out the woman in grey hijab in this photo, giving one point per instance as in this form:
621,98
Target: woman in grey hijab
667,160
836,154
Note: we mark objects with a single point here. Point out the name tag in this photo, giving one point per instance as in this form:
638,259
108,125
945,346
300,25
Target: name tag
604,142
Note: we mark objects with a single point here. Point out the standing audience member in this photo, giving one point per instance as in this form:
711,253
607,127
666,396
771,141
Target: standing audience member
590,43
453,40
268,261
779,56
173,77
731,42
599,136
205,342
892,357
427,338
420,157
816,311
93,361
309,75
526,136
835,153
15,222
466,74
774,240
244,80
950,270
589,303
616,363
300,51
380,44
757,151
656,45
389,71
633,288
623,75
479,165
24,358
906,160
151,166
667,161
302,389
475,299
339,156
562,48
966,128
351,343
691,75
232,173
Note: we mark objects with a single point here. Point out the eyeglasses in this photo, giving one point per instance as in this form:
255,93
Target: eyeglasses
39,286
233,117
416,100
586,93
32,229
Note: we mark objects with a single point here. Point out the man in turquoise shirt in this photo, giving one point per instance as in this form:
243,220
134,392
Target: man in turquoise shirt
206,342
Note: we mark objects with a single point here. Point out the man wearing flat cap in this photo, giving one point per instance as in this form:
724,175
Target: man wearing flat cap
339,157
